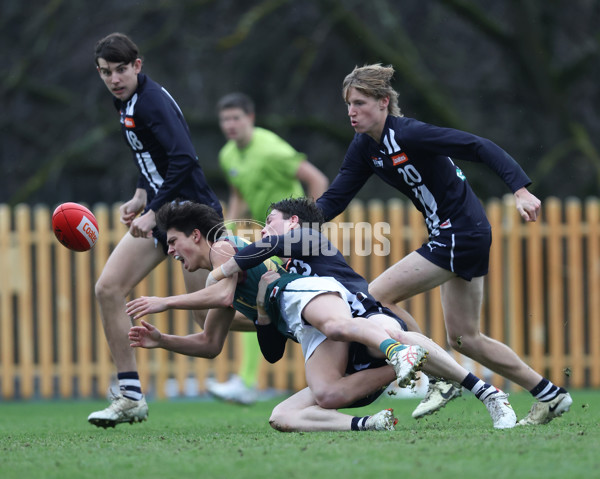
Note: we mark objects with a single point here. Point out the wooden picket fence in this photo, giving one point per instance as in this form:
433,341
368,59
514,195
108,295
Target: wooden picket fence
542,297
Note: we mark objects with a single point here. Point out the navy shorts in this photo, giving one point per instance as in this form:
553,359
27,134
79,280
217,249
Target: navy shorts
160,238
359,359
466,253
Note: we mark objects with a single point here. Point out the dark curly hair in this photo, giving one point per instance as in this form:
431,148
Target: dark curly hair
186,216
305,209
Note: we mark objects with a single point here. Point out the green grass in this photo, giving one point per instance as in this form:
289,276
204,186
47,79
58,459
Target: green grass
209,439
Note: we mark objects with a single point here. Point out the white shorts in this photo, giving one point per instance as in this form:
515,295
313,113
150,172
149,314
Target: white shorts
294,299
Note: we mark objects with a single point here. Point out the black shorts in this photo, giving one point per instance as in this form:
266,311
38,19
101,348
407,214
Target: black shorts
359,359
160,238
466,253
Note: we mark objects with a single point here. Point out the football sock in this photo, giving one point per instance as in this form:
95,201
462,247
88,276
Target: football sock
389,347
546,391
358,423
482,390
130,385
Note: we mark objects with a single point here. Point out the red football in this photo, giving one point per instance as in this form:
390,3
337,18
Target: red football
75,226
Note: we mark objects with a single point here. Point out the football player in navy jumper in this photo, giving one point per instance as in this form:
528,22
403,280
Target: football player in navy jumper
294,306
159,138
415,158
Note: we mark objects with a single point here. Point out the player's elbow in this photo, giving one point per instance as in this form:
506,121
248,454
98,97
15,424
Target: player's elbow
212,351
208,347
223,299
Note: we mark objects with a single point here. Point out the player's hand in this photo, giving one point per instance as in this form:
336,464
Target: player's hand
145,305
130,210
144,336
142,227
528,205
265,280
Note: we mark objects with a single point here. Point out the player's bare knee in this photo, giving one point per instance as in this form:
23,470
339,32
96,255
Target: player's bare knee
102,289
279,420
335,328
107,293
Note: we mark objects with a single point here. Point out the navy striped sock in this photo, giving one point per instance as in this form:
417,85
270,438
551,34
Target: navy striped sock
481,389
546,391
130,385
358,423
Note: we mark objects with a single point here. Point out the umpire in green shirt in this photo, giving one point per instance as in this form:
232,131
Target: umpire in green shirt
260,168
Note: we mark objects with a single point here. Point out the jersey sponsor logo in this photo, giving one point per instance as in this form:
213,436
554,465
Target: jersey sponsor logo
129,123
399,159
378,162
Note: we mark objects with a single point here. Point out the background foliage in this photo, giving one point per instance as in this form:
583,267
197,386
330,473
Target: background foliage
523,74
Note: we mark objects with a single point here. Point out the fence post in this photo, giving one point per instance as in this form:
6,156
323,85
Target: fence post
534,283
24,273
514,337
575,291
555,263
494,302
592,219
45,278
7,364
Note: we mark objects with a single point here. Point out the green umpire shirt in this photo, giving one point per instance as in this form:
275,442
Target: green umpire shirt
264,171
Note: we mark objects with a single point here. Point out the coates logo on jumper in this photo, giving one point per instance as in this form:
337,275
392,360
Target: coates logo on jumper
399,159
88,230
246,231
129,123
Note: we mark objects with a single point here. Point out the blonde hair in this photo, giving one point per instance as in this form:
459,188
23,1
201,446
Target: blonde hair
374,81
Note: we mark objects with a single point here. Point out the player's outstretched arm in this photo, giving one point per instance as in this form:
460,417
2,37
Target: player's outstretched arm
212,296
207,344
220,296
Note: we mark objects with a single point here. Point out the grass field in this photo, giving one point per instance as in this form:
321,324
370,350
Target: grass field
208,439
